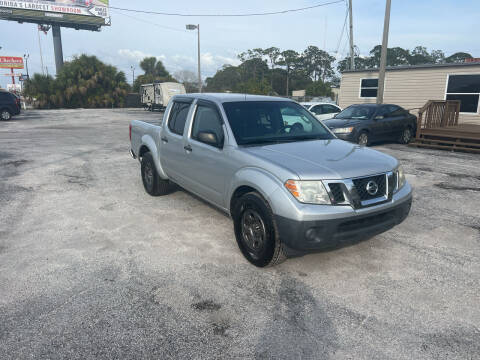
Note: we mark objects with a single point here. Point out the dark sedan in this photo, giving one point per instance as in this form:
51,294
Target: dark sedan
367,123
9,105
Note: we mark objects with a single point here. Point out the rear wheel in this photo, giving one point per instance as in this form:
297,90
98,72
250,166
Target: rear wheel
405,136
5,115
153,184
255,231
363,139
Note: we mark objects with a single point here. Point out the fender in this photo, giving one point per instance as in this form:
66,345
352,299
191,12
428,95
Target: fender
152,147
269,186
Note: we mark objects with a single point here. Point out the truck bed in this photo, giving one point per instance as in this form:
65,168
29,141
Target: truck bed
140,128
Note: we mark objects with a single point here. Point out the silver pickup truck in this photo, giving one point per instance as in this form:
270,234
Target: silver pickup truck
290,186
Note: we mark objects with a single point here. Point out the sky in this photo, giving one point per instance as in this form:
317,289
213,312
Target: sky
448,25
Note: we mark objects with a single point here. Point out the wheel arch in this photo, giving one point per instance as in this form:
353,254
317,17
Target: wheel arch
260,181
148,145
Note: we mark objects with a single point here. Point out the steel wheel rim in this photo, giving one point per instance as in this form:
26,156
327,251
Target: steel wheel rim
363,139
254,232
148,175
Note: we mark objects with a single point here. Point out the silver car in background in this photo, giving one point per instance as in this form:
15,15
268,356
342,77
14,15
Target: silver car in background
290,186
322,110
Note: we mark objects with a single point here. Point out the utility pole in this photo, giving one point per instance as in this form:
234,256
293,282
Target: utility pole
352,53
383,55
57,46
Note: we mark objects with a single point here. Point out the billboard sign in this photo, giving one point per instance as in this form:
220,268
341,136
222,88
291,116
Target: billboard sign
79,14
11,62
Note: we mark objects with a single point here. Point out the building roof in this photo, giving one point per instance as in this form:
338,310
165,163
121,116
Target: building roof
412,67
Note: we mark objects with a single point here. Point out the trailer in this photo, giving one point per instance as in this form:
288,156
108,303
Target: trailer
157,95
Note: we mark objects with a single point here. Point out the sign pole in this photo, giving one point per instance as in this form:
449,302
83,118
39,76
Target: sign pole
57,46
13,76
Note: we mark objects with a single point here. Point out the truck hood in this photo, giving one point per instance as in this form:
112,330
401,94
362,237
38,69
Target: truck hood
324,159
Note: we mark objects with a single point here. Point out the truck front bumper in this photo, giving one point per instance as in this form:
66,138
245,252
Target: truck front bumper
306,236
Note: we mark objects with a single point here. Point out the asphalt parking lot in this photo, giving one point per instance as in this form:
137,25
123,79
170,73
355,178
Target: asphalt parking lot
93,267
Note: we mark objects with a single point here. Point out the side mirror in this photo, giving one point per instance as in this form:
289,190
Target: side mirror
209,137
379,117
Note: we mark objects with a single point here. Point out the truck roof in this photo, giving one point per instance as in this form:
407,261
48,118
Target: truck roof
229,97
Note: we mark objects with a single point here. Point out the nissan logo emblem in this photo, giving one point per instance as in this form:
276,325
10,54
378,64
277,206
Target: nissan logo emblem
372,188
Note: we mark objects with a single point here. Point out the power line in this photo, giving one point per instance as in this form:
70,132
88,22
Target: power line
152,23
343,30
229,15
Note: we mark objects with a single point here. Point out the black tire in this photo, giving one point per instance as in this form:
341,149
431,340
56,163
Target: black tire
363,138
256,231
406,136
153,184
5,115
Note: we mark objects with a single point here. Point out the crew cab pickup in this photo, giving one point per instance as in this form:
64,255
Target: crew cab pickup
290,186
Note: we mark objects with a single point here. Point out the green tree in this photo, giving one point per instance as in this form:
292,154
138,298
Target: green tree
458,57
319,88
395,56
317,63
154,71
437,56
252,86
420,55
289,58
361,63
225,79
273,54
83,82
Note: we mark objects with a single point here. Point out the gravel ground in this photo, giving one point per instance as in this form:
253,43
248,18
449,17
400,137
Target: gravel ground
93,267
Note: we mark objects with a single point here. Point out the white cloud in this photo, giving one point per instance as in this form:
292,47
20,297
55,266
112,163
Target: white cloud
133,55
210,62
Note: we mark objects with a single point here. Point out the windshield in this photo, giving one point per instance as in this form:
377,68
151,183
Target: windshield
360,112
260,122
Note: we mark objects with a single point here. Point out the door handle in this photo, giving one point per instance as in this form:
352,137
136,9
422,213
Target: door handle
187,148
164,139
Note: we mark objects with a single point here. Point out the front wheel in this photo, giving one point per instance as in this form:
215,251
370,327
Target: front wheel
405,136
255,231
5,115
363,139
153,184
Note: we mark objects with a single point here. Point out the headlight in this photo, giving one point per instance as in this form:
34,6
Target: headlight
346,130
400,177
308,192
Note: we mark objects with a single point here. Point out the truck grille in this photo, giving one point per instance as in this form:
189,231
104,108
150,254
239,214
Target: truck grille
371,187
337,193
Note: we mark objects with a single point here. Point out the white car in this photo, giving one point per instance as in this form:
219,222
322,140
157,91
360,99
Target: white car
322,111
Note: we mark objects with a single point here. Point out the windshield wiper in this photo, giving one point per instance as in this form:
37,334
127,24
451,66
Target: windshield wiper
263,141
283,140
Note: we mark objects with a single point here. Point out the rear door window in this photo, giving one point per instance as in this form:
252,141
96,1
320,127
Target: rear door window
178,117
317,110
330,109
